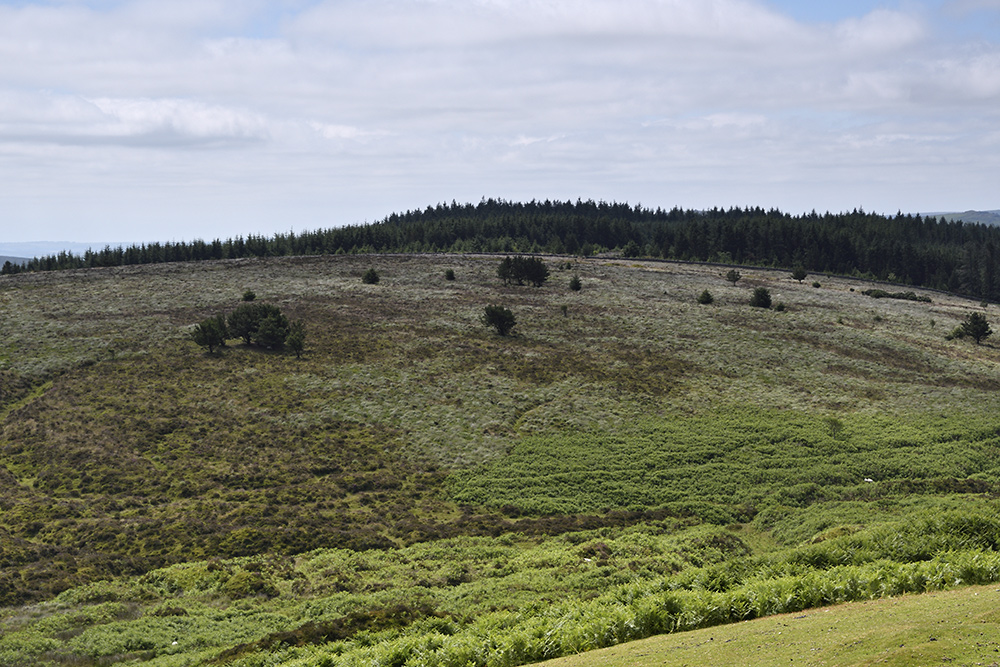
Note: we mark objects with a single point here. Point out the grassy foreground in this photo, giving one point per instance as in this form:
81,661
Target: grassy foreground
960,627
418,490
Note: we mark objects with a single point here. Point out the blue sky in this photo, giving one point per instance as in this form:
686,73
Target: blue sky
968,17
142,120
839,10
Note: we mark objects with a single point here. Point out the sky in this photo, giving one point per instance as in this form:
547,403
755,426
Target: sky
153,120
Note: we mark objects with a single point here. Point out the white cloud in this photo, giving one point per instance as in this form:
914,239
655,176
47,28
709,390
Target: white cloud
879,32
344,132
71,119
182,119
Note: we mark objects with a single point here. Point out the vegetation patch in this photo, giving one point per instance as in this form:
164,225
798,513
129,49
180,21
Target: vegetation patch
907,296
726,466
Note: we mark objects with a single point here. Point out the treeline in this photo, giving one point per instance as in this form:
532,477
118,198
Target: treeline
908,249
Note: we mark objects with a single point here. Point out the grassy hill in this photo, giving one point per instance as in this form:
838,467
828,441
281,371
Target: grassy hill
415,483
898,631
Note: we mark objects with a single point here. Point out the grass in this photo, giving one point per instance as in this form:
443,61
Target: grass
127,451
953,627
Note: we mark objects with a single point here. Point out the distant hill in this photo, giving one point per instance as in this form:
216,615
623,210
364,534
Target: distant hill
30,249
981,217
13,260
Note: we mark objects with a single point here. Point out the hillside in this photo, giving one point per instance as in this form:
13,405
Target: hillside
416,473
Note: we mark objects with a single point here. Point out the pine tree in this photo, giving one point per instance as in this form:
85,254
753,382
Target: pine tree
761,298
499,318
211,333
976,327
296,340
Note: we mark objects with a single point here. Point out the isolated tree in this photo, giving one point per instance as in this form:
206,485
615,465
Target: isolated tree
799,273
211,333
449,274
761,298
705,298
733,276
575,284
976,327
249,295
371,277
296,340
499,318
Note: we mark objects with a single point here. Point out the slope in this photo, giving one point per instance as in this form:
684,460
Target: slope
626,406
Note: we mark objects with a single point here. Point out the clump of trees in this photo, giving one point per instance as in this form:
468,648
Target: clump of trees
256,323
245,322
520,269
499,318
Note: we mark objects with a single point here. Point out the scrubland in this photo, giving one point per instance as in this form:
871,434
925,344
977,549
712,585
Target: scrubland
418,490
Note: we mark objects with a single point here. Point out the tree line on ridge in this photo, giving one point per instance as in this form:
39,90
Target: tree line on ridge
908,249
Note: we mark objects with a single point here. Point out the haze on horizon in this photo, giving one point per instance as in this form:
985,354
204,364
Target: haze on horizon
142,120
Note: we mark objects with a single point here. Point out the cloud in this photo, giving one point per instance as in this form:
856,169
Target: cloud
71,119
344,132
360,107
181,119
395,24
879,32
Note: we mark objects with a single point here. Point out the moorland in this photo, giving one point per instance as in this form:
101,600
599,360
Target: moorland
416,489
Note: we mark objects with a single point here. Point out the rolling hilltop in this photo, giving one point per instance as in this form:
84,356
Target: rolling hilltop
416,489
924,251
